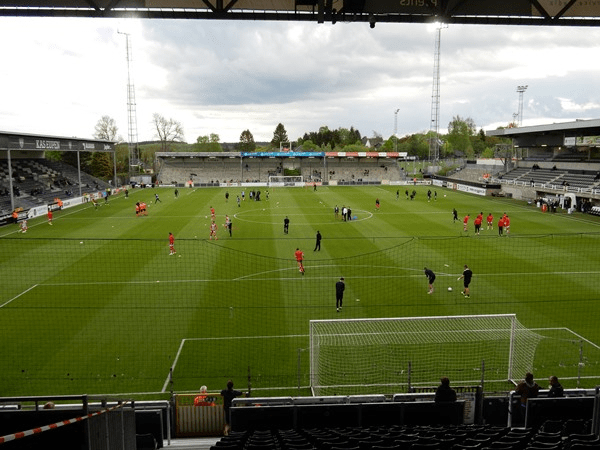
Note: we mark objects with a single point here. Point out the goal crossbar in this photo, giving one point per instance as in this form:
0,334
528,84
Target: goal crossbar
377,351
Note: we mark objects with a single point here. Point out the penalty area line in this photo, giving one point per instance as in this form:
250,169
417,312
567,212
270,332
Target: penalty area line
183,341
19,295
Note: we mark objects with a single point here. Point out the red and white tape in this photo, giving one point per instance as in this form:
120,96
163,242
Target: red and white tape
22,434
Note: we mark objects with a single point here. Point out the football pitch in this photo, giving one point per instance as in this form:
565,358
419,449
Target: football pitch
95,304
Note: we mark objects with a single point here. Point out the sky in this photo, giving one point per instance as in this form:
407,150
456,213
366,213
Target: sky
59,76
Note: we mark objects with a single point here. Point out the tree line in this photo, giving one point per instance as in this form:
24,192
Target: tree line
462,140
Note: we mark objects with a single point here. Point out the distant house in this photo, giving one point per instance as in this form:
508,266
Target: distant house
372,142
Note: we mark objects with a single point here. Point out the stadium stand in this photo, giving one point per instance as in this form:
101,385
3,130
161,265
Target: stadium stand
413,437
205,169
40,181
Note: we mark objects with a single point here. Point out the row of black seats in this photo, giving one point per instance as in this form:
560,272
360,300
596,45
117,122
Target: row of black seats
553,435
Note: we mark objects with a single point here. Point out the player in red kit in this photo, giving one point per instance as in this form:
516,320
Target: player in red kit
49,216
506,224
299,258
466,222
477,223
490,221
171,244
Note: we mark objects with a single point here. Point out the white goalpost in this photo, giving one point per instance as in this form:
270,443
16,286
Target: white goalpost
358,356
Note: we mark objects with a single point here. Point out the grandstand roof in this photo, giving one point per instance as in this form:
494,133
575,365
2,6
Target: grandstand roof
39,142
551,134
490,12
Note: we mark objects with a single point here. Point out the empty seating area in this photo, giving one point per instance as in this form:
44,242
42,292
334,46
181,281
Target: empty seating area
232,169
553,435
39,181
559,178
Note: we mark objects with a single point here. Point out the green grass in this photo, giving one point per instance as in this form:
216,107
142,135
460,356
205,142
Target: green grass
94,303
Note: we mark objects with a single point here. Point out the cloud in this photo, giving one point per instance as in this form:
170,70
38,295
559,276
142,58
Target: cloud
62,75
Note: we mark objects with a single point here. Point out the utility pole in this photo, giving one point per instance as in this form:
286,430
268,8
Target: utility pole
134,157
521,90
434,140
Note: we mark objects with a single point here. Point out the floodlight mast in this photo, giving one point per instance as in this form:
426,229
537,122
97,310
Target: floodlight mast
134,159
396,130
434,140
521,90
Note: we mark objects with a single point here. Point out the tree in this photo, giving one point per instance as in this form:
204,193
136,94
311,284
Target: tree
460,132
247,143
208,143
102,166
167,131
279,136
106,129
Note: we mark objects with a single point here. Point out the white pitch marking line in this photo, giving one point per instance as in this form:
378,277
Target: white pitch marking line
17,296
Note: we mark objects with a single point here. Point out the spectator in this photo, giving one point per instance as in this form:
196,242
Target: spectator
444,392
526,389
556,389
228,395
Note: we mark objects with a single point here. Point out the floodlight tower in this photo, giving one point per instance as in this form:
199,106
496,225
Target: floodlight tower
134,157
396,130
434,140
521,90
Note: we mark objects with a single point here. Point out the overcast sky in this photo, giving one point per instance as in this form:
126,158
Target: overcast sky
60,76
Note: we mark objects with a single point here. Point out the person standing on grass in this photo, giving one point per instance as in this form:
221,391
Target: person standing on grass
299,255
171,244
49,216
340,287
318,243
377,204
286,225
213,231
454,215
490,221
500,226
477,223
228,395
176,193
430,278
466,222
506,224
466,276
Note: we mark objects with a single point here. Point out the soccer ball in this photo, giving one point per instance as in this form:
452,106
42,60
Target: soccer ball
449,289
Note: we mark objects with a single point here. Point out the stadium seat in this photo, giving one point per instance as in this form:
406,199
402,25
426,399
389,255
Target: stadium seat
575,426
584,446
552,426
583,437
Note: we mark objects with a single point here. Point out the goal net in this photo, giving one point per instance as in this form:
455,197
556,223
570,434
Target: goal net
290,180
389,355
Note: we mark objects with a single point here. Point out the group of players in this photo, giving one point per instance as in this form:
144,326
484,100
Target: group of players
503,222
466,276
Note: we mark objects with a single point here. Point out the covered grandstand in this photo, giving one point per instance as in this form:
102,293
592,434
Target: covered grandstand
29,180
555,163
238,168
